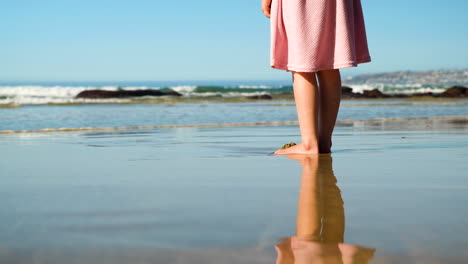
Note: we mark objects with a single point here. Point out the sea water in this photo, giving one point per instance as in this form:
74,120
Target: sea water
53,106
214,195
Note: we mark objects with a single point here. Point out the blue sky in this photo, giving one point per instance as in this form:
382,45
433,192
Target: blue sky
112,40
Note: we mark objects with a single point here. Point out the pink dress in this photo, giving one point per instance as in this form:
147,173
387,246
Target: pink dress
314,35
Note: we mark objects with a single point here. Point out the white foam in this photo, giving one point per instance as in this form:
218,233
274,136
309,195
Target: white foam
183,88
36,94
396,88
255,87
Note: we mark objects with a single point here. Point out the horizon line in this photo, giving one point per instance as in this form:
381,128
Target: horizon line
2,82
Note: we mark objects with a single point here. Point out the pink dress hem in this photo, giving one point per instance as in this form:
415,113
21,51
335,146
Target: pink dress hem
292,68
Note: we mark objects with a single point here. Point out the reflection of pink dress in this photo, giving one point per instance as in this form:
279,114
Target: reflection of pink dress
313,35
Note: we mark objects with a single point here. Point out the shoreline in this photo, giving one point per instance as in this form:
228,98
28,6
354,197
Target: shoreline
220,100
462,119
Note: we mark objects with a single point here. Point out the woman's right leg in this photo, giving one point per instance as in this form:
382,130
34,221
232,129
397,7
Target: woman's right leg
307,99
330,98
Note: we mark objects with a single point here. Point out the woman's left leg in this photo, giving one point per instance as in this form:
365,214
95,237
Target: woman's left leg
307,105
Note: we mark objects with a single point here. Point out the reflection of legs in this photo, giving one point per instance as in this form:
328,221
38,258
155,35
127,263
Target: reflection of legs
320,219
332,203
320,214
309,207
307,105
319,228
330,97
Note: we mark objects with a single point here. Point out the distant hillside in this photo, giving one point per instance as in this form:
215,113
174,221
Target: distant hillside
440,77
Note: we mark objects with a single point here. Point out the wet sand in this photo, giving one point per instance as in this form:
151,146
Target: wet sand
216,195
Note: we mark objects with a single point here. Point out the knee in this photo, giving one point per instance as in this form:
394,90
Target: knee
329,76
309,76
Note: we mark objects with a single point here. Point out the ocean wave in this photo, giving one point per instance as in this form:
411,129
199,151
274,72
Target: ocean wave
397,88
57,94
183,88
35,94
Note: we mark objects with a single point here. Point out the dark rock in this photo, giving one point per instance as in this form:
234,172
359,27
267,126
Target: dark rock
260,97
346,90
123,93
374,93
455,91
399,95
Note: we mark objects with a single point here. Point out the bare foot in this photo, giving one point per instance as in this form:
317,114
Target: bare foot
297,149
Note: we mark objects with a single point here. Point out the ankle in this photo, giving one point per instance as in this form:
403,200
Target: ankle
307,145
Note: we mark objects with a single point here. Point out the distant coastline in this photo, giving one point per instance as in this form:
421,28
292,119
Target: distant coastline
434,77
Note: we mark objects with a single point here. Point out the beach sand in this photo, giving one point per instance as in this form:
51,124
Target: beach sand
216,194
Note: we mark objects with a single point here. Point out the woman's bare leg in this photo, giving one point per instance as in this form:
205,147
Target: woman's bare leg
307,105
330,97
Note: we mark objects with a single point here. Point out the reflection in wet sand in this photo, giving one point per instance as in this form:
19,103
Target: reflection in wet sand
320,219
